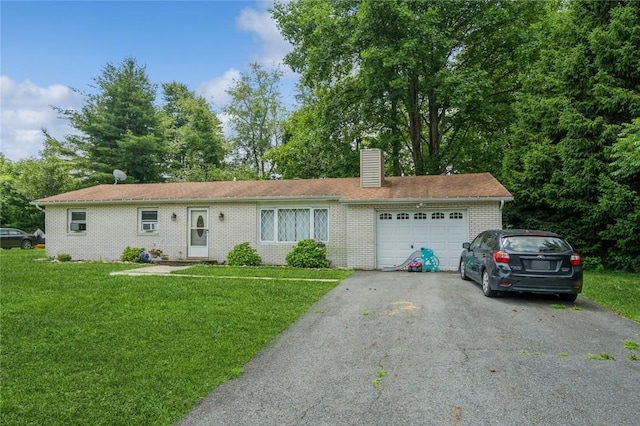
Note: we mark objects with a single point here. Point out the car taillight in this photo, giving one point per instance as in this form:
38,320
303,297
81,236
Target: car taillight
576,259
501,256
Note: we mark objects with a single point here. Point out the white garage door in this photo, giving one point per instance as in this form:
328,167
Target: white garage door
400,233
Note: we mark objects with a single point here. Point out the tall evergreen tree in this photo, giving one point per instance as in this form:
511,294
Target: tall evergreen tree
578,96
120,126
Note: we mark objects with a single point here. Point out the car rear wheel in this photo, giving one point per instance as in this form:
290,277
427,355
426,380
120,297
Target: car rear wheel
486,288
568,297
26,244
463,273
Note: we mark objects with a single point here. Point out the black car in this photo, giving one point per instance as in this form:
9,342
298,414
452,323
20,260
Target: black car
12,237
522,261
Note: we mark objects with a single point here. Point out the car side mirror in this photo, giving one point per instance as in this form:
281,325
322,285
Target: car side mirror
466,246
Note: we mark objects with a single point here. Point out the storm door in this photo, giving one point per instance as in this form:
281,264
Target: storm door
198,232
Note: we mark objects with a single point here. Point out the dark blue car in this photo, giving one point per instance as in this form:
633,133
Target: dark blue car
12,237
522,261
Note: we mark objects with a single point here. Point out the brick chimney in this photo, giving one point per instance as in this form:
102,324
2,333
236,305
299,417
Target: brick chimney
371,168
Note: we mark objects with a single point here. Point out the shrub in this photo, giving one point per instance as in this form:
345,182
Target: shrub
243,255
64,257
308,254
132,254
592,263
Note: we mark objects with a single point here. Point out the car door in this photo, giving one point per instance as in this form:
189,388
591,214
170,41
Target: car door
474,258
14,238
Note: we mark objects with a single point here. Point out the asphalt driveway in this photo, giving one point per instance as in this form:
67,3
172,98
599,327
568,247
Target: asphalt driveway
400,348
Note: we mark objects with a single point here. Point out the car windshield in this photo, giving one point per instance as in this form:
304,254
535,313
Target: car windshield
535,244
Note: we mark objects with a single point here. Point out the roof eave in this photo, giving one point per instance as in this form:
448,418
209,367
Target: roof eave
426,200
185,200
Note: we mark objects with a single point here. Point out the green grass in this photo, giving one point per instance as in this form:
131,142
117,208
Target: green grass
601,357
81,347
617,291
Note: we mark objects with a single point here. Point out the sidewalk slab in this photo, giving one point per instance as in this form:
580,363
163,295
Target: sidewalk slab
151,270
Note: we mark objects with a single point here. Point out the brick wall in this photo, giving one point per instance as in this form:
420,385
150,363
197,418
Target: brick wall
352,231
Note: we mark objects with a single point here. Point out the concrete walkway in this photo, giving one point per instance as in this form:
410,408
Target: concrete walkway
151,270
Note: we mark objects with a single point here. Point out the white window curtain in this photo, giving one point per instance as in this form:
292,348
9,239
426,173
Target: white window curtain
291,225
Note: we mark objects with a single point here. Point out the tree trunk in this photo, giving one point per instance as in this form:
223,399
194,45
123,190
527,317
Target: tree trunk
395,139
415,125
434,136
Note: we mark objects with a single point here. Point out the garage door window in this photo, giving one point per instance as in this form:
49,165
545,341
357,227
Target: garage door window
437,215
420,216
455,215
403,216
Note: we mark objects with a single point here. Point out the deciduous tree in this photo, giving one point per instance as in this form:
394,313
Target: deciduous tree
255,113
194,133
432,80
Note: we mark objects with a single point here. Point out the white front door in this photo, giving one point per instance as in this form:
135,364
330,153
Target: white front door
198,232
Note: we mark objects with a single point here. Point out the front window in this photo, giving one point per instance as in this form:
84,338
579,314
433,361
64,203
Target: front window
77,220
148,220
291,225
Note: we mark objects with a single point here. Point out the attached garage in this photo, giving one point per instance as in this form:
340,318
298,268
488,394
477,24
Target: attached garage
401,232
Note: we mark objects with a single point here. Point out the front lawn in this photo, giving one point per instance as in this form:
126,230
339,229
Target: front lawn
618,291
81,347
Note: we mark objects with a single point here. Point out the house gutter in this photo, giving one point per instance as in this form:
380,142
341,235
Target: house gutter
186,200
425,201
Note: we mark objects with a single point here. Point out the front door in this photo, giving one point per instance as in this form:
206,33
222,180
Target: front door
198,232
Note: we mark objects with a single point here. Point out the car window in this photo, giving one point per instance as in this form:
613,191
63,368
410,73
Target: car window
535,244
489,242
476,242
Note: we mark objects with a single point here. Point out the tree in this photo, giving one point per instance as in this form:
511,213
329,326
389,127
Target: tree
255,112
577,98
194,133
49,174
311,149
15,208
433,80
120,126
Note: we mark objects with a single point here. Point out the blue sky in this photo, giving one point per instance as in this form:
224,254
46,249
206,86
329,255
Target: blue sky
48,48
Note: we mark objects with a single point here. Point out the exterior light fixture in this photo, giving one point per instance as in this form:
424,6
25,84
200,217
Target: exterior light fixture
221,216
174,216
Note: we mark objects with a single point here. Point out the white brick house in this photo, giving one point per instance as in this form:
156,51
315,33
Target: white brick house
366,223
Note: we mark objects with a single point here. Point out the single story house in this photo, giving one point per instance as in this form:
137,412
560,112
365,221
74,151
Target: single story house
368,222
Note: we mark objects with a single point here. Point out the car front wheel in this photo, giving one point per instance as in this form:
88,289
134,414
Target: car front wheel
486,288
26,244
463,272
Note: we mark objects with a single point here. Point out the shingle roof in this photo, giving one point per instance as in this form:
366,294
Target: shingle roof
348,190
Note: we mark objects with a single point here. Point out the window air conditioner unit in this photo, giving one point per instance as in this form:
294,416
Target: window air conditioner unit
74,226
148,227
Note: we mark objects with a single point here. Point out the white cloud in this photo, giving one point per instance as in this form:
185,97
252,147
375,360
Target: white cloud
215,93
272,45
214,90
26,109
